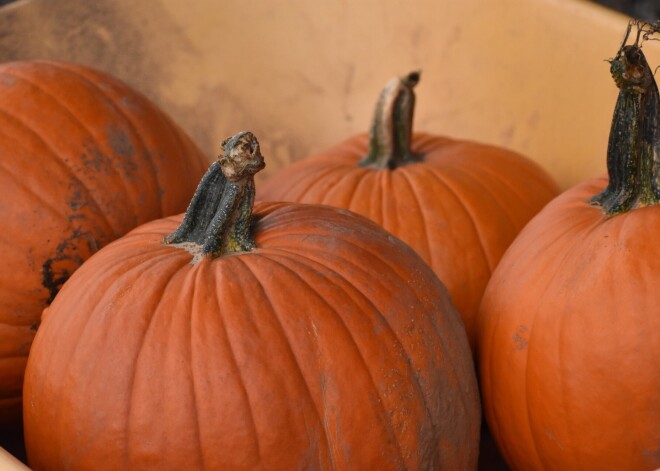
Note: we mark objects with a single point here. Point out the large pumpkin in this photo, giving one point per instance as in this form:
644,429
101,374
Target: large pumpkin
569,347
304,338
458,204
84,159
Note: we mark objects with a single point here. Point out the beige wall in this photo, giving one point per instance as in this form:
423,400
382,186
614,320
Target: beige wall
303,74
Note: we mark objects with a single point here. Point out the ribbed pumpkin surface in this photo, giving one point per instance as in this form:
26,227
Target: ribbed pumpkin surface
83,159
569,342
459,207
331,346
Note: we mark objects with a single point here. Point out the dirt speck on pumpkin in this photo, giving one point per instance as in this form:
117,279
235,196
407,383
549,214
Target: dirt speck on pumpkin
520,338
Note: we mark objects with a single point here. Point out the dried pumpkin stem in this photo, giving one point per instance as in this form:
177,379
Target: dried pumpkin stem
217,221
391,127
633,153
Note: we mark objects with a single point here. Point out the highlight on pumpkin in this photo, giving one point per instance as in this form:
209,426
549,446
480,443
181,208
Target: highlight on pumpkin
633,153
217,221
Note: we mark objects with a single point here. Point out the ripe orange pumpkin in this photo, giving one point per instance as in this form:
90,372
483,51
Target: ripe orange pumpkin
84,160
458,204
303,338
569,348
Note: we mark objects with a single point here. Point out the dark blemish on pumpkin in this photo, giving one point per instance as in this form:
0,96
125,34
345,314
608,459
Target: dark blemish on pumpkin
519,338
57,269
653,454
77,200
94,158
119,141
34,326
123,148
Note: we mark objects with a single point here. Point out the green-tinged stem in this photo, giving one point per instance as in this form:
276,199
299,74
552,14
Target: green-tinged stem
633,153
391,127
217,221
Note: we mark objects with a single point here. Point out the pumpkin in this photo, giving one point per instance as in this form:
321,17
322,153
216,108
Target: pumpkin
273,336
84,160
569,346
459,204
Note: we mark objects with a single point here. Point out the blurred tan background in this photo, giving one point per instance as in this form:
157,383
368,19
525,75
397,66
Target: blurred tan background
302,74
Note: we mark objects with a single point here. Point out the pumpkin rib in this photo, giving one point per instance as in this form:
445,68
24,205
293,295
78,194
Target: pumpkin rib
44,202
356,348
63,165
81,74
385,183
153,174
399,343
346,262
416,200
494,197
293,256
352,176
312,180
66,168
480,238
182,142
579,236
520,199
86,129
534,439
195,275
358,178
273,311
175,270
389,215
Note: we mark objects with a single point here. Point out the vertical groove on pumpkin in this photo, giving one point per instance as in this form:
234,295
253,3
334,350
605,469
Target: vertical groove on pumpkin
575,241
137,207
275,315
18,180
494,197
194,275
168,275
480,237
416,201
329,196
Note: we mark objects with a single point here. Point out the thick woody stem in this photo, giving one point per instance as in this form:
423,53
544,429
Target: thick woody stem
633,153
391,127
217,221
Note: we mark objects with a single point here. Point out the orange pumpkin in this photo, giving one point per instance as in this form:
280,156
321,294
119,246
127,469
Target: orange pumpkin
458,204
305,337
84,160
569,347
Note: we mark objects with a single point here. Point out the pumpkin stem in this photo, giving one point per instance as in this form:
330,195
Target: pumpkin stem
217,221
391,128
633,152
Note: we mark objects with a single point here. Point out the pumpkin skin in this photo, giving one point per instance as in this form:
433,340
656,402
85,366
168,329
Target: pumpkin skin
84,159
568,342
292,356
459,207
